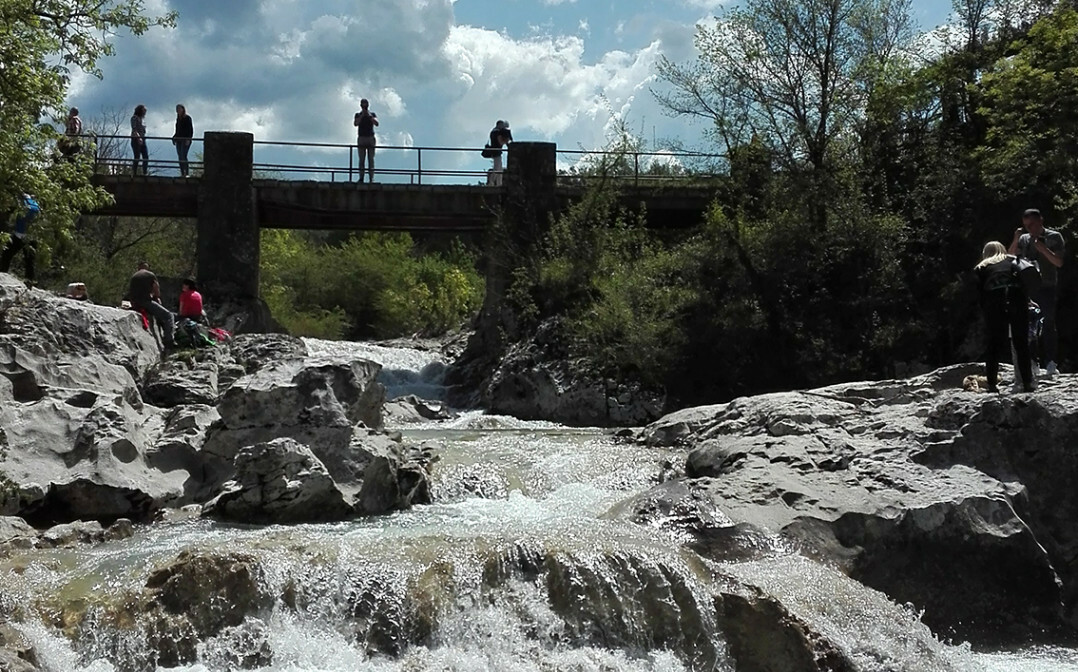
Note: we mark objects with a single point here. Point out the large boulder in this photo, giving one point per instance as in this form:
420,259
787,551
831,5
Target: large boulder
539,380
280,481
65,462
50,326
315,401
905,485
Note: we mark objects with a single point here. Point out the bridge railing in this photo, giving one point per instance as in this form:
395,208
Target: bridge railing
401,163
641,168
412,164
113,155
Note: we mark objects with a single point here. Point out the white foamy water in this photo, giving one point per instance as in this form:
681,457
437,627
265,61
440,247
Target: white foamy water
404,371
517,566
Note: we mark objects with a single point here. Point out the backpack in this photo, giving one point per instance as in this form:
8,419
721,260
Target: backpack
488,152
1028,273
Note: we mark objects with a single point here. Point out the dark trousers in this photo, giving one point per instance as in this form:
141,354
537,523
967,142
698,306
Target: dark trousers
28,253
1007,309
1046,299
161,315
138,148
182,147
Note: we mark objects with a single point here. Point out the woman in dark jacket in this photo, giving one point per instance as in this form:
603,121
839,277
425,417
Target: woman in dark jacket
185,130
1006,306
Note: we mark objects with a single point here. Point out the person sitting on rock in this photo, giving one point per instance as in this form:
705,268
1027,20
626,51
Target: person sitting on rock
1005,305
144,293
191,302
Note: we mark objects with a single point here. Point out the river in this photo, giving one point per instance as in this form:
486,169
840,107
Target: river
517,566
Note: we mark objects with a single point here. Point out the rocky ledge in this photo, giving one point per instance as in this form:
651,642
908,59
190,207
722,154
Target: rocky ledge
96,426
959,503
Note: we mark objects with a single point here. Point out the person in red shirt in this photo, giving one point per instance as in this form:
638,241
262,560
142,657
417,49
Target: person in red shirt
190,301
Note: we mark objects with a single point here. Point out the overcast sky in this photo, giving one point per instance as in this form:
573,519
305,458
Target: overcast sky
437,72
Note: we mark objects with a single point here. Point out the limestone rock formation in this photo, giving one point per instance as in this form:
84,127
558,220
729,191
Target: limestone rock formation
952,501
94,425
280,481
538,380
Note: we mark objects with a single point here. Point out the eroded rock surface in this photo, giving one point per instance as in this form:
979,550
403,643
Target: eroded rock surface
955,502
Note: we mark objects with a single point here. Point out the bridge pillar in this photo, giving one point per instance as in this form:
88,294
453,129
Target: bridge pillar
228,242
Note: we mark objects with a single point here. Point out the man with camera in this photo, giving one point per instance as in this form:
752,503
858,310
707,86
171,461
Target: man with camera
1045,248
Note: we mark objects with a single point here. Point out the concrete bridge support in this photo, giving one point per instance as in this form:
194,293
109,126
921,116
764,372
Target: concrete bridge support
228,241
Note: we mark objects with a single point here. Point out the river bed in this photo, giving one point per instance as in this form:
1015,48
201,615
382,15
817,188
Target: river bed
471,582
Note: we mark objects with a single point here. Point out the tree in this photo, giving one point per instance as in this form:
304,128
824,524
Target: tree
1029,106
41,42
795,73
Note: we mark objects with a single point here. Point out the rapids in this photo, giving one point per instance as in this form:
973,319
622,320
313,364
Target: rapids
515,567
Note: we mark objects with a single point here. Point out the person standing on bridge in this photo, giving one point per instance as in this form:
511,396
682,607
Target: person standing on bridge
500,136
185,131
365,121
138,141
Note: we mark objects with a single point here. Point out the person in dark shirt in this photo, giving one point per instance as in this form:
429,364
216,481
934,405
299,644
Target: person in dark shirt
500,136
1045,248
144,293
138,140
185,131
365,121
1006,307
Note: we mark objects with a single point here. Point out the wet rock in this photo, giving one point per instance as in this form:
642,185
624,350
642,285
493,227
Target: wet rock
538,380
198,596
411,409
764,636
280,481
905,485
16,652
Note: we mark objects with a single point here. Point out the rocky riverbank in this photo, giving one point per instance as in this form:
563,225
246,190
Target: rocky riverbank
97,426
958,503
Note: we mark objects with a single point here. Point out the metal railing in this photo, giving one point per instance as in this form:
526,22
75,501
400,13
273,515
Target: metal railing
351,171
112,154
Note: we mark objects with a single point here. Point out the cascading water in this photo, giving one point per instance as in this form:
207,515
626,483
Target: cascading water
515,567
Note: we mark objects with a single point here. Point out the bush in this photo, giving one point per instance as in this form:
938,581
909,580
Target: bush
372,285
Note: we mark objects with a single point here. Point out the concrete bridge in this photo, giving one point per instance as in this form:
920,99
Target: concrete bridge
230,205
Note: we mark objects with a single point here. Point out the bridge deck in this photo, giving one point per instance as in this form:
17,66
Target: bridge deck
296,204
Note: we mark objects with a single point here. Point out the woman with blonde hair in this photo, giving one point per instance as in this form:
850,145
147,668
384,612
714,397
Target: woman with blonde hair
1006,306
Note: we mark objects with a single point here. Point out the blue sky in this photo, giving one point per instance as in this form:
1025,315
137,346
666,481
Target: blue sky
437,72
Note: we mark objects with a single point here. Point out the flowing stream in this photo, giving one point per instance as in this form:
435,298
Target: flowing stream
515,567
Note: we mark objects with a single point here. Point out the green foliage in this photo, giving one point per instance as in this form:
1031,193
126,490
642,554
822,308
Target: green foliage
103,252
40,42
1032,133
371,285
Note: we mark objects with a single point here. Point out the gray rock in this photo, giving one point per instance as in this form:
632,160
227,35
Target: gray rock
253,352
47,325
16,533
905,485
411,409
177,382
314,401
16,652
279,482
537,380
